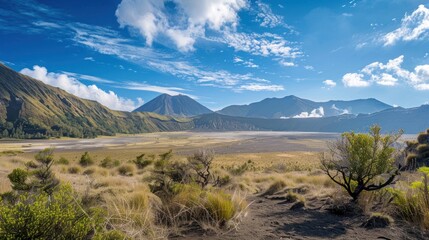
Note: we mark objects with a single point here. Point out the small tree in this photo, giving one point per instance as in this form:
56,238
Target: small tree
201,163
86,160
362,162
39,176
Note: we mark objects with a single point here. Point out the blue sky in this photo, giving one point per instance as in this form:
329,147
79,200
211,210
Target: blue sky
222,52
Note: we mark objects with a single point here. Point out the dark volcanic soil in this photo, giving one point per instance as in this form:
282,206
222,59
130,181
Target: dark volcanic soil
273,219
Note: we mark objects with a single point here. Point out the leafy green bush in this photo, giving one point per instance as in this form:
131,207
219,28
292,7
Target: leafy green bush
63,161
109,163
362,162
40,216
86,160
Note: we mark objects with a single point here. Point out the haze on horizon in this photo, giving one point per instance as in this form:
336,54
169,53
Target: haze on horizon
124,53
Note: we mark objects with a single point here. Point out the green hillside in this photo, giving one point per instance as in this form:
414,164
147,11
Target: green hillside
31,109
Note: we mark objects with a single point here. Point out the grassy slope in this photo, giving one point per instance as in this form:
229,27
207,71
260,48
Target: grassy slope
47,106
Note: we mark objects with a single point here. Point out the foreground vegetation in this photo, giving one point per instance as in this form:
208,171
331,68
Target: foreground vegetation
160,195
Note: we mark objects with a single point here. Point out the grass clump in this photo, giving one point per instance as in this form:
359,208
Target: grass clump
378,220
275,187
62,161
74,170
126,170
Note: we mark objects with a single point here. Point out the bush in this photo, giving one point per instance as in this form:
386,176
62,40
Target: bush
109,163
412,204
63,161
143,161
126,170
38,216
220,206
358,162
86,160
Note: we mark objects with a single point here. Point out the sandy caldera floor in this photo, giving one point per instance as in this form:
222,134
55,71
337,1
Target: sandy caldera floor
272,218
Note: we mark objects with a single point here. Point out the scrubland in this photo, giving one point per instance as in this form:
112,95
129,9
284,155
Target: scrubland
161,194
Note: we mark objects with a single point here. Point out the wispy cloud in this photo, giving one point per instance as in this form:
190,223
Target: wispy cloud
110,42
413,27
151,88
247,63
266,17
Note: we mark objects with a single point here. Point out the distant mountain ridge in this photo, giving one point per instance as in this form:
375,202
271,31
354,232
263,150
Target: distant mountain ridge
179,106
292,106
411,120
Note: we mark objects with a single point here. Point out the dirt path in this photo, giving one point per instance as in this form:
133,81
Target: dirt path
273,219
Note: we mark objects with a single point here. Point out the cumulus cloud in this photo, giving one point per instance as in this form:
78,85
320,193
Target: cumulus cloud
389,74
184,25
329,83
109,99
315,113
355,80
413,27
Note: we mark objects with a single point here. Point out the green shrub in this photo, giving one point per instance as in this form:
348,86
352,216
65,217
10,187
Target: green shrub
109,163
143,161
362,162
86,160
63,161
40,216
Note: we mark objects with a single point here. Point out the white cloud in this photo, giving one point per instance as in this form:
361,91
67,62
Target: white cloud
174,91
73,86
389,74
340,110
287,64
266,17
108,42
329,83
315,113
183,23
308,67
89,59
413,27
261,87
354,80
249,64
266,44
88,77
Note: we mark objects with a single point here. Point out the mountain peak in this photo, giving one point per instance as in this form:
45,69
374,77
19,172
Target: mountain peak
179,105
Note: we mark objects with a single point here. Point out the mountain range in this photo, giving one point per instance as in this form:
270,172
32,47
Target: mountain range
31,109
295,107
